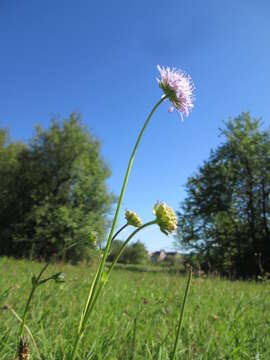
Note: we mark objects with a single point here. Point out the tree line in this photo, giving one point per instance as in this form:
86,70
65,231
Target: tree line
224,221
53,192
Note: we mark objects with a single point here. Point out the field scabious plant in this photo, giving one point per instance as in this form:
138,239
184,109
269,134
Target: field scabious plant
178,88
36,281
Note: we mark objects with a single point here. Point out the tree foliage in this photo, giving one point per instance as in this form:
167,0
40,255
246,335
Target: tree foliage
225,218
134,253
53,192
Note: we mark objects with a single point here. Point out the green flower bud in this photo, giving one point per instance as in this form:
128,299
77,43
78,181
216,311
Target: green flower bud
165,217
133,219
59,277
93,238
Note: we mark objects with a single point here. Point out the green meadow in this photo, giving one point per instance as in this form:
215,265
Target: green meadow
136,315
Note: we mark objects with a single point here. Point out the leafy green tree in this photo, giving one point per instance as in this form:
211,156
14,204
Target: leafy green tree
59,193
173,261
135,253
9,164
225,217
115,249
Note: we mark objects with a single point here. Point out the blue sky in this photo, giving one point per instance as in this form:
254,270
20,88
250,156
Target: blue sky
100,57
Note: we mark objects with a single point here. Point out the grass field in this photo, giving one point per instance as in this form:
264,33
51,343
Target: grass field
137,315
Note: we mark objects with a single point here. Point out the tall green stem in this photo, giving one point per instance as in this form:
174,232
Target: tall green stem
92,304
86,309
89,301
108,245
34,286
117,258
26,310
181,315
118,232
126,242
107,249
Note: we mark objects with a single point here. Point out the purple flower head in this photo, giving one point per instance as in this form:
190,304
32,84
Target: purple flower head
178,87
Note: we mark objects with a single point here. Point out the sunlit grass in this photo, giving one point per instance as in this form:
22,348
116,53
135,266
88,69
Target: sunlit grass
136,316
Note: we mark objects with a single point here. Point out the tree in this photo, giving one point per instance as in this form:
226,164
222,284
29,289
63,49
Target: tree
134,253
59,193
9,164
225,217
115,249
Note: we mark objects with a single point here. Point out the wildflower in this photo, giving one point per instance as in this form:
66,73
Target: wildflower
133,219
178,87
166,218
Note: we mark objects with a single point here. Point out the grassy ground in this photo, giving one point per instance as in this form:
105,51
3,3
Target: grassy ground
137,315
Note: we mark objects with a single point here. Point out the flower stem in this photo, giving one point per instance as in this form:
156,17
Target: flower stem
181,314
89,303
92,304
126,242
34,286
117,258
97,278
125,184
118,232
27,329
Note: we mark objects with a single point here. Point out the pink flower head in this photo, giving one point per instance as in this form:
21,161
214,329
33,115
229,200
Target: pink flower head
178,87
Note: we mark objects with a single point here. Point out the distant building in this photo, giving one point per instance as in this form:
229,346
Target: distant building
161,255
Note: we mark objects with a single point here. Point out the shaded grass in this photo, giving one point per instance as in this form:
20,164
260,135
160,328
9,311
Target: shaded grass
136,316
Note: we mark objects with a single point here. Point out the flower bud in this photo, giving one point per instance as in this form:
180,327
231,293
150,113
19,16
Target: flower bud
59,277
165,217
133,219
93,238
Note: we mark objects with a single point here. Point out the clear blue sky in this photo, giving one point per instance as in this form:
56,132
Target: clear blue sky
100,57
